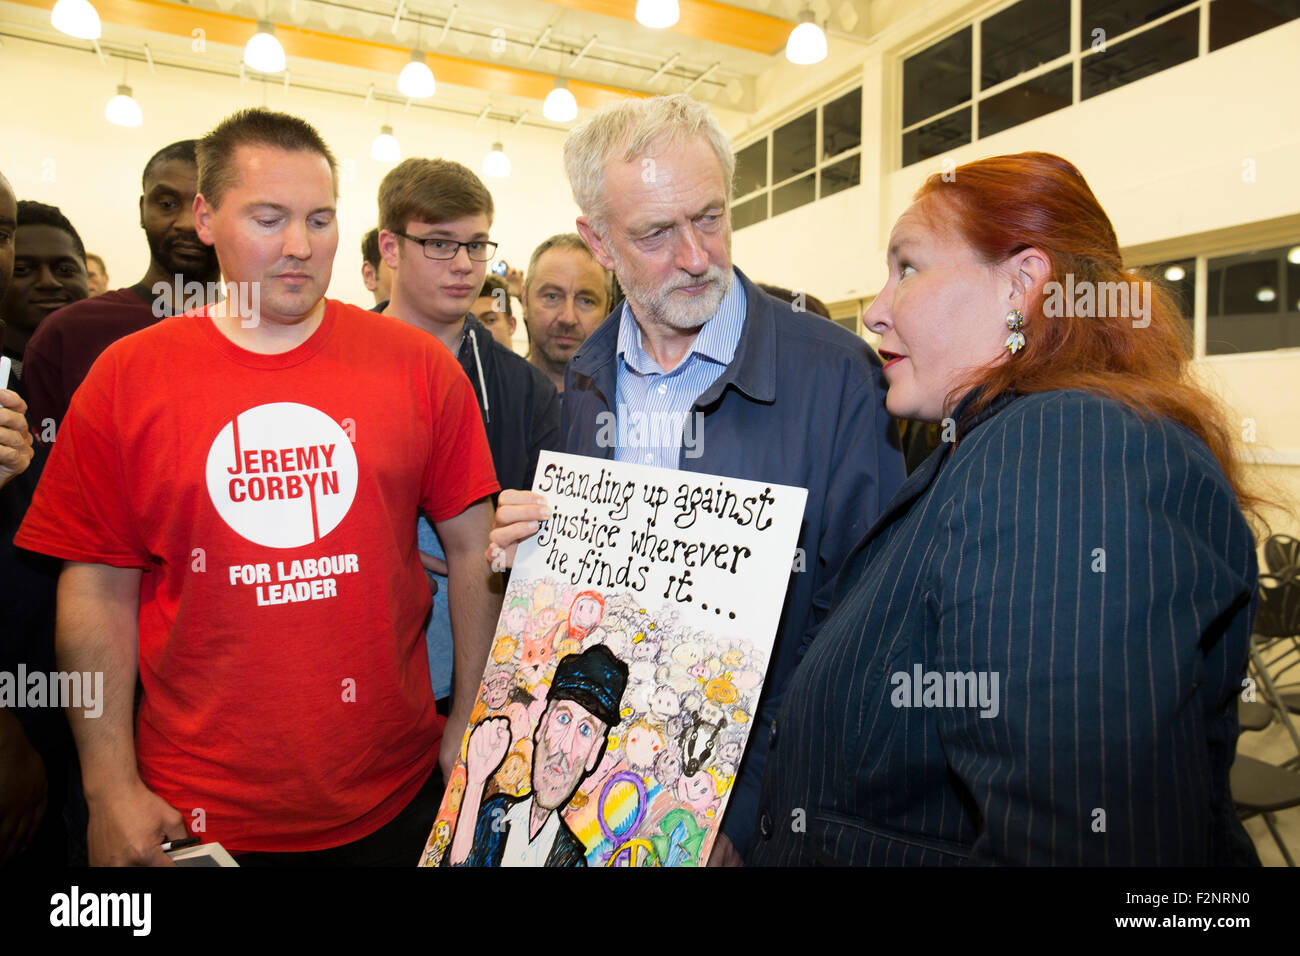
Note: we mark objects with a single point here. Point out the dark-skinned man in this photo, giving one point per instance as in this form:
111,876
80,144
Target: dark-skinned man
182,275
34,743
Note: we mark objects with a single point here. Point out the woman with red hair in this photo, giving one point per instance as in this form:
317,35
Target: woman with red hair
1036,650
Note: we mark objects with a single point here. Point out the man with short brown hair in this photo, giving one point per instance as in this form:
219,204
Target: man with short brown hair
232,492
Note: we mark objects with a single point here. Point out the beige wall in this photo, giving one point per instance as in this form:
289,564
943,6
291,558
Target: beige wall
57,148
1165,156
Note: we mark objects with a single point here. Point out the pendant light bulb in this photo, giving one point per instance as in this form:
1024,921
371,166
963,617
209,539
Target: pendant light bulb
416,79
496,164
76,18
122,109
807,43
560,106
263,52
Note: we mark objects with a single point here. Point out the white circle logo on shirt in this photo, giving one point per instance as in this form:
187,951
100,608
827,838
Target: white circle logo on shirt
282,475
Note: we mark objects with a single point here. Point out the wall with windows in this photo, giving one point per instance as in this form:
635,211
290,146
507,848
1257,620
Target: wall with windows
1194,163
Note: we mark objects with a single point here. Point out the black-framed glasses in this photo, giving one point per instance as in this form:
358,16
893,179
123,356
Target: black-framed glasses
480,250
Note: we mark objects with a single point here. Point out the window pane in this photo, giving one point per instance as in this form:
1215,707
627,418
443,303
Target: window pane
1029,34
938,137
1178,278
750,212
792,195
1037,97
1140,56
842,124
842,175
751,169
1252,303
1233,20
938,78
1114,17
793,147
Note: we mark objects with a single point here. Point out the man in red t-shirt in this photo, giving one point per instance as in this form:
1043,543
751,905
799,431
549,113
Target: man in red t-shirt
235,492
182,275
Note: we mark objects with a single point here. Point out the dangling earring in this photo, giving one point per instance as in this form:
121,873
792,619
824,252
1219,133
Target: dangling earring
1016,340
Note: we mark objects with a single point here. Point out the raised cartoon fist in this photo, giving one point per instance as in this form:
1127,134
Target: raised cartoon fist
488,744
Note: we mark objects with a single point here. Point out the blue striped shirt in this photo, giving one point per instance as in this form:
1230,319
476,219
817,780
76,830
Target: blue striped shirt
653,406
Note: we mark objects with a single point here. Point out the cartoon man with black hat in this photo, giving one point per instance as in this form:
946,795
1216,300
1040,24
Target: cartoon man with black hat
568,744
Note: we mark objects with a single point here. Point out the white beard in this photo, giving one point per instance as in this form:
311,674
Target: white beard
683,313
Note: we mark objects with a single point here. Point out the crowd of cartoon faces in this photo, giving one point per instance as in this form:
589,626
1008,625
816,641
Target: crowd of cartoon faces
685,712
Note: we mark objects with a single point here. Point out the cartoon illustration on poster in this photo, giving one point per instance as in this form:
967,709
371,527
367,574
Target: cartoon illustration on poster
629,658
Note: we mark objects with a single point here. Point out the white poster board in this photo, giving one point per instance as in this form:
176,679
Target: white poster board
663,590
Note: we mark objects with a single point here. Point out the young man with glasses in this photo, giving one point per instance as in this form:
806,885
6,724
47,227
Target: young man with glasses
434,219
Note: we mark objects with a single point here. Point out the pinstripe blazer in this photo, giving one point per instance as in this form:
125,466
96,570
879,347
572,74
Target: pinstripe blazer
1033,657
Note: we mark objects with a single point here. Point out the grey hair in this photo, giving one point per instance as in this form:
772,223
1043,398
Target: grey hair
567,240
629,129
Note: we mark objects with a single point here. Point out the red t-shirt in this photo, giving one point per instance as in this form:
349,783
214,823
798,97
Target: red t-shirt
271,501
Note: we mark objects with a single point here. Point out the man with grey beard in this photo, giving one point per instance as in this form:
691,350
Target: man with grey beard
701,370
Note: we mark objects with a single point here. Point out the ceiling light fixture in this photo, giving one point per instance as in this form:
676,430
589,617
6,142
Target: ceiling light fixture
657,14
386,148
416,79
496,164
122,109
1175,273
263,51
76,18
807,43
560,106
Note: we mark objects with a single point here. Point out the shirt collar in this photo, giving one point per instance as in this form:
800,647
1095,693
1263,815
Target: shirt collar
520,816
716,341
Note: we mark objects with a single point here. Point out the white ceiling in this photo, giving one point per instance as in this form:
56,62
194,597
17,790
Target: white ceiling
532,35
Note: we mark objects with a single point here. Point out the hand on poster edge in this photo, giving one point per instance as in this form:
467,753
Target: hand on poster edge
519,514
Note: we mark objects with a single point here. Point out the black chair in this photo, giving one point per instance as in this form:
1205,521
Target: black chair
1277,634
1252,715
1260,788
1282,555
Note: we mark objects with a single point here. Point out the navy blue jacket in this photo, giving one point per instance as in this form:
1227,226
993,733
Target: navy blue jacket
1097,564
800,404
521,410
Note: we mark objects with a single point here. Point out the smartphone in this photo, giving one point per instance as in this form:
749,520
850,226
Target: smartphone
501,267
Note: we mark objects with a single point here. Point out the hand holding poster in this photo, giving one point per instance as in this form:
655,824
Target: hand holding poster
629,659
